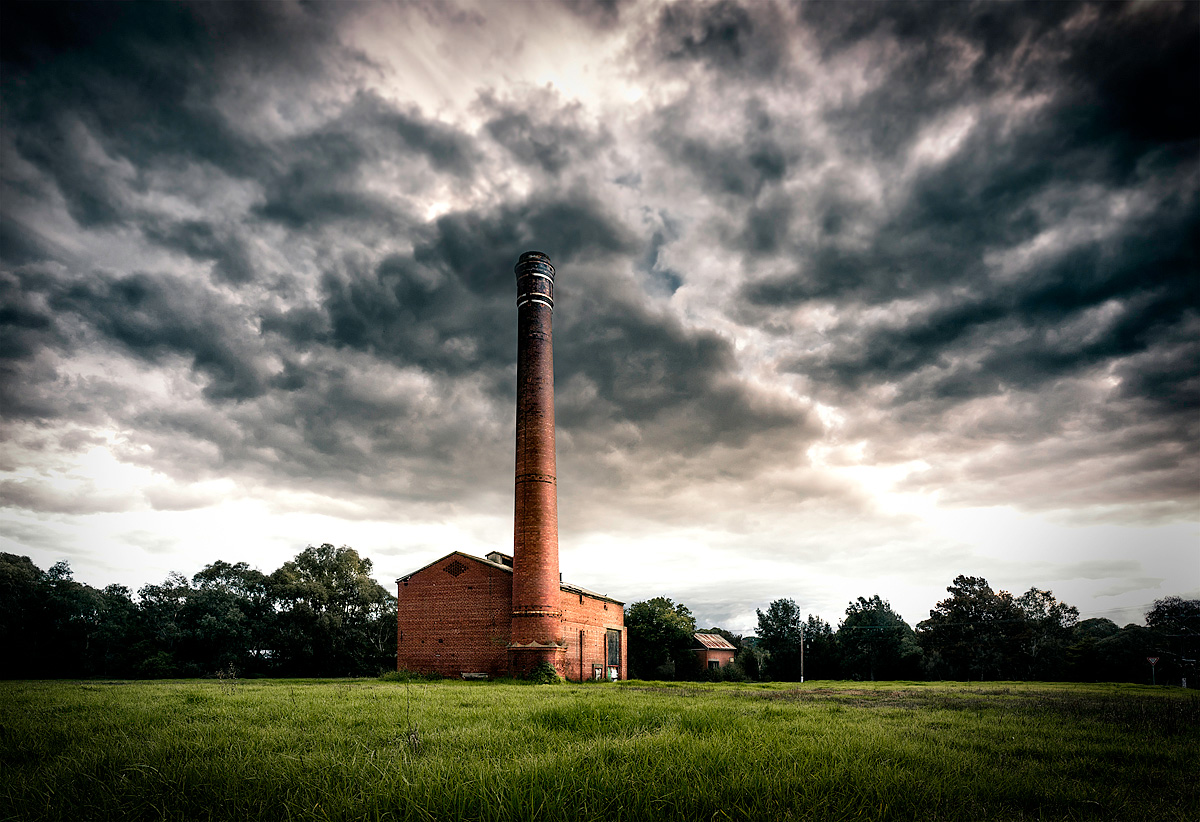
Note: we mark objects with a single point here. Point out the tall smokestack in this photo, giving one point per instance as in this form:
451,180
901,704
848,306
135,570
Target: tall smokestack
537,615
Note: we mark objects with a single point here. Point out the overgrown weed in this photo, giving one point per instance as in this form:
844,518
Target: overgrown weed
227,676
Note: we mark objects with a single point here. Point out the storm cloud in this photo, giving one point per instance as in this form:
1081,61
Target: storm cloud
818,263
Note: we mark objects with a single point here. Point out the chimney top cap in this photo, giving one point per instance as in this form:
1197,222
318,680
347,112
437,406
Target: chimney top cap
534,263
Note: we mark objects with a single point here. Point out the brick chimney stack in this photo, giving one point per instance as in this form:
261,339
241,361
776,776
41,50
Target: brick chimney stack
537,615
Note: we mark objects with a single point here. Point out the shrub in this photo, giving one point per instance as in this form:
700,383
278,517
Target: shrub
407,676
729,672
544,674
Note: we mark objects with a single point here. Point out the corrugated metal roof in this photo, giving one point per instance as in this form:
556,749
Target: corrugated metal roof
714,641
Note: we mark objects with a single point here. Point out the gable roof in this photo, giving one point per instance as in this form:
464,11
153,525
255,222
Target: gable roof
566,586
480,560
714,642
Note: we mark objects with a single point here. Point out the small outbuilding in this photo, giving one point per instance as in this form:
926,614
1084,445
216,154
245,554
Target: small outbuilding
713,650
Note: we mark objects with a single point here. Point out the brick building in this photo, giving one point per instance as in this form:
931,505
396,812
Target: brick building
506,615
713,650
455,619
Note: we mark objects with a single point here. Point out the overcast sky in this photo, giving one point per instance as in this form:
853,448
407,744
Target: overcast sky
851,298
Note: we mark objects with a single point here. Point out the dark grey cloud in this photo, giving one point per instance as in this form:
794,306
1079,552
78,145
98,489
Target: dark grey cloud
542,131
206,241
954,52
152,316
1007,185
792,239
323,174
447,306
603,14
1148,270
935,56
24,318
740,166
724,36
646,368
140,78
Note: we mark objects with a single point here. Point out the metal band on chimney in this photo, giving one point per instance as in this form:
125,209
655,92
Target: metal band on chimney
535,279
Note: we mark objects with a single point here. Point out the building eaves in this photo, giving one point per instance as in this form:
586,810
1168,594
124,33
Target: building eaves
714,642
566,586
480,560
577,589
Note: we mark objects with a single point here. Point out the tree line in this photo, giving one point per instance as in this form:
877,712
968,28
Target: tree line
974,633
319,614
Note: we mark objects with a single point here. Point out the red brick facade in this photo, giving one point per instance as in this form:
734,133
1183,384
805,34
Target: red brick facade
586,622
454,617
713,650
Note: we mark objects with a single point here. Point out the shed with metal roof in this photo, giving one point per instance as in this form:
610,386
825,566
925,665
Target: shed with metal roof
713,650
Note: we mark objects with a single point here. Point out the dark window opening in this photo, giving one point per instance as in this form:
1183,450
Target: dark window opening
713,664
614,648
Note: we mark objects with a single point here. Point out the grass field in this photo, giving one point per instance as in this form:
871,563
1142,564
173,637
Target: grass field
366,749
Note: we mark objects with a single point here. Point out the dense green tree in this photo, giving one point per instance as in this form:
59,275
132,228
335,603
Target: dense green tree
1175,623
21,594
161,646
750,660
1046,634
246,583
780,631
112,649
660,639
320,614
975,633
1122,656
53,626
876,642
68,617
236,602
333,619
1083,661
1096,628
1175,615
822,656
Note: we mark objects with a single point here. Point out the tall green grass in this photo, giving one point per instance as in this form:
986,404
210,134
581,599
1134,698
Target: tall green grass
363,749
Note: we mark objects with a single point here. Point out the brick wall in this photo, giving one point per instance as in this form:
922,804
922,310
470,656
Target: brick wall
594,618
706,655
454,617
535,531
